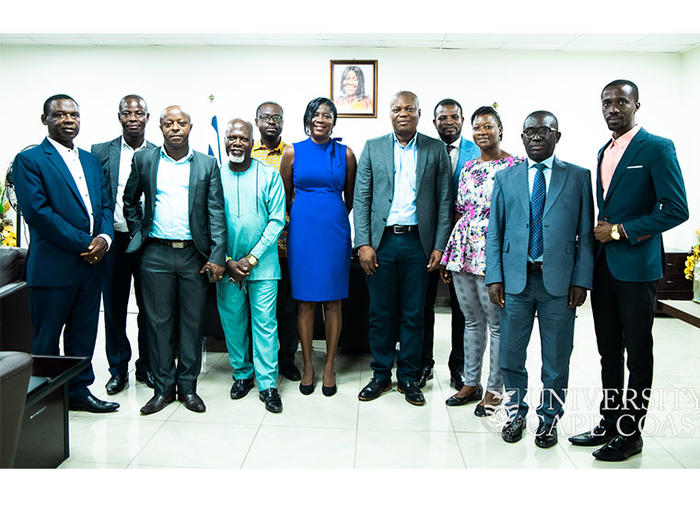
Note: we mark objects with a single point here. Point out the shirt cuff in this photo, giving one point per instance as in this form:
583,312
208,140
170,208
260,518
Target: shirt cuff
107,239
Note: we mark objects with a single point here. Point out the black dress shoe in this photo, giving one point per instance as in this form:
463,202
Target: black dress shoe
412,392
546,435
157,403
272,399
593,438
192,402
457,380
425,373
619,448
513,431
241,387
117,383
146,378
291,372
375,388
455,401
90,403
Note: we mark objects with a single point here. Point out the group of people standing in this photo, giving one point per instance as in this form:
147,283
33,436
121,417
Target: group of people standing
513,237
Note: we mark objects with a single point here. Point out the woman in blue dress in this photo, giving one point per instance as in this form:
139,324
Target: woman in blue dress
319,179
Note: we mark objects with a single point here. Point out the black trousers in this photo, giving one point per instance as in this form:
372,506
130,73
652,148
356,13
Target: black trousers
116,288
456,359
286,318
173,298
623,314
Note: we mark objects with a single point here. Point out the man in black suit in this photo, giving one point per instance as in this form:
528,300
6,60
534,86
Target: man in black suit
182,231
62,197
116,156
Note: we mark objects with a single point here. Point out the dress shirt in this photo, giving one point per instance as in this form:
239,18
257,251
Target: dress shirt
171,217
531,172
273,157
403,204
125,156
454,153
612,155
72,159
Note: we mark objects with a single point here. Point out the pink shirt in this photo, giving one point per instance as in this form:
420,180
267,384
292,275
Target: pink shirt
612,155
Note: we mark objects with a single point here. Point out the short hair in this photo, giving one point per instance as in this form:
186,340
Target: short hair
544,113
405,93
623,82
47,102
165,110
448,102
122,102
268,103
360,80
313,106
243,121
487,110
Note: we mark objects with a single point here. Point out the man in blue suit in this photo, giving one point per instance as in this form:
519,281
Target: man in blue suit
61,195
539,259
116,156
640,194
448,121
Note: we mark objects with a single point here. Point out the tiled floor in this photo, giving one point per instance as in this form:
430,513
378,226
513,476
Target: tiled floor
342,432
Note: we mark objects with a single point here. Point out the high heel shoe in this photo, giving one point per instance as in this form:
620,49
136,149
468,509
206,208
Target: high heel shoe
329,391
308,389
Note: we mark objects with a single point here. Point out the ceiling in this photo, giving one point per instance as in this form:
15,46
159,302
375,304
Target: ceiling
630,42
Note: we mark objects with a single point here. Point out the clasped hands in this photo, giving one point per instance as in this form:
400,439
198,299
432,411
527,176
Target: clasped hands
217,271
239,269
603,232
96,250
368,259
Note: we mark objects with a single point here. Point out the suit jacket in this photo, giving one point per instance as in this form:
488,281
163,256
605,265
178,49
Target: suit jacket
206,203
647,196
374,191
467,151
58,222
567,228
109,154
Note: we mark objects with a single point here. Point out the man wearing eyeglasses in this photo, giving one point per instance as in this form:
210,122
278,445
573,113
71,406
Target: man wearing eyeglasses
539,260
269,119
116,156
402,216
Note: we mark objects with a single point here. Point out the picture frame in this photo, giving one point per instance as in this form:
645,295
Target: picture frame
353,88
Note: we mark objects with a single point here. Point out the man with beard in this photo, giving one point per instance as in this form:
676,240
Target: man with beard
255,208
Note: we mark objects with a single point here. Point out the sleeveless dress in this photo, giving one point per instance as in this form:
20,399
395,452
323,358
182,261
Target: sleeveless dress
318,246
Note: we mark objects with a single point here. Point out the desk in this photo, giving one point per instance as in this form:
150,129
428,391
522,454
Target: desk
687,311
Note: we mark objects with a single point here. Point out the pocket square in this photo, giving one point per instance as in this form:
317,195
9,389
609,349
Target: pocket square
635,167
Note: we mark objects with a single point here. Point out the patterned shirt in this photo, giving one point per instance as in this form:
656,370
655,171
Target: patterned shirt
466,248
273,157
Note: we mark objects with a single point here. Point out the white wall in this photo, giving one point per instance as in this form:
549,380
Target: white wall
568,84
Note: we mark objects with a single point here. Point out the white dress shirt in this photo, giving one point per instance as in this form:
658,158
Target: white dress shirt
125,156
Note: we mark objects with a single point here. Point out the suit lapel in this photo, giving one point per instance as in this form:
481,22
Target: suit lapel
194,172
556,183
630,153
599,179
421,160
389,159
59,163
114,158
152,174
94,184
522,189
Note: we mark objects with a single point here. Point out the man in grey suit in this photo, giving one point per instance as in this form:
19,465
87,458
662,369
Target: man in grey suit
116,156
402,211
539,258
182,231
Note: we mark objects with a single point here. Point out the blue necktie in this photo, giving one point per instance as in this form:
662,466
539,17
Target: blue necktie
539,191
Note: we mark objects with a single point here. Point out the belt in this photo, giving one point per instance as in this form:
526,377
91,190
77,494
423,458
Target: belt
534,266
400,229
171,243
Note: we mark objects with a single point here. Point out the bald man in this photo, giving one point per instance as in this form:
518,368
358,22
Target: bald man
181,231
247,299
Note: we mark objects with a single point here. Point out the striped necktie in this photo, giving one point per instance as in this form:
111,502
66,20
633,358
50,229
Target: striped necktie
539,191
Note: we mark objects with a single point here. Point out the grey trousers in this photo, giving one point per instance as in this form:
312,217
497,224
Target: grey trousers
479,312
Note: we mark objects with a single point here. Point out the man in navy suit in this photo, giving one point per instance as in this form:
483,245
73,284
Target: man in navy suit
116,156
539,259
61,195
448,121
640,194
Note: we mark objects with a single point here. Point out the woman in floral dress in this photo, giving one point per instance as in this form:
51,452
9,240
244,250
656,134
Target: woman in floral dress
464,261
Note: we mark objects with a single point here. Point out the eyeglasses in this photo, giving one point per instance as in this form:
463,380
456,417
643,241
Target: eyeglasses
543,131
274,118
398,109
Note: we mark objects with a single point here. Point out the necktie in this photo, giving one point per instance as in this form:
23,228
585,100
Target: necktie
539,191
449,147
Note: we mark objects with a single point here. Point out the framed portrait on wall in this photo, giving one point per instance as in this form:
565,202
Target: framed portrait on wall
354,87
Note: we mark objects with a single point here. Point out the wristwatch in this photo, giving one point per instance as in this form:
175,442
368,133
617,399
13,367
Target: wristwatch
253,260
615,234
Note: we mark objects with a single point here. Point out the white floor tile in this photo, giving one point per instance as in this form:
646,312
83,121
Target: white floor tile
653,455
407,449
